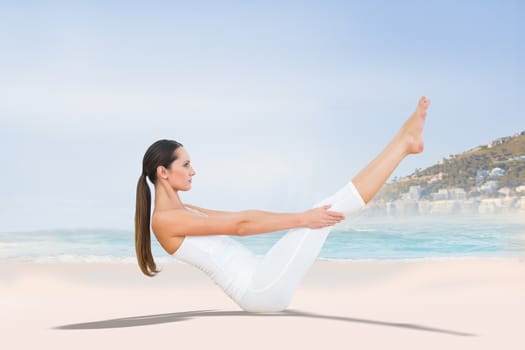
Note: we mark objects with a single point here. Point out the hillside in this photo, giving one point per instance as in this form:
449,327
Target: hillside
469,170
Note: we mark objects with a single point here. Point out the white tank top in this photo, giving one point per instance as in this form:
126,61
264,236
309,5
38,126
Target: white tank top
228,262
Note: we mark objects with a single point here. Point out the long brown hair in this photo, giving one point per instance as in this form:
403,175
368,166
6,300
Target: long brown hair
162,152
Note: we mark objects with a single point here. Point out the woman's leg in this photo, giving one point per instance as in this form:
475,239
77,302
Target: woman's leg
279,272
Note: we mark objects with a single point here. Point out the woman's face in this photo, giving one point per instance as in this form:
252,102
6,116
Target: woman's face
180,171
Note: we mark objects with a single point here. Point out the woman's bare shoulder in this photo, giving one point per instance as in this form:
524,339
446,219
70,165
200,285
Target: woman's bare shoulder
163,219
168,214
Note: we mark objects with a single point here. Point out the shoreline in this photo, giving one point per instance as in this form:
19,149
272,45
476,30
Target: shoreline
173,261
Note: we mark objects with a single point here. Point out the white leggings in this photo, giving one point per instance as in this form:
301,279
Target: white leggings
265,283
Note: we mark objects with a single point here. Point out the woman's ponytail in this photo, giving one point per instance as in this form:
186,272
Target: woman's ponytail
142,228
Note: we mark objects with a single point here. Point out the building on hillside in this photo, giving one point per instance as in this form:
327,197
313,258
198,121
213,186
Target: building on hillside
489,187
521,204
415,192
457,193
498,141
481,175
445,207
440,195
496,172
504,191
435,178
391,209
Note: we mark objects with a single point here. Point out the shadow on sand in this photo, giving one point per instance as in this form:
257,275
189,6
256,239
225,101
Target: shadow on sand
188,315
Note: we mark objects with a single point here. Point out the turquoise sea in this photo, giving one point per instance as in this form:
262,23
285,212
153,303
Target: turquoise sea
362,239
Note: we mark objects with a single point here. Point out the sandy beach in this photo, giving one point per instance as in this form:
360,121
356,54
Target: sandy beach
435,304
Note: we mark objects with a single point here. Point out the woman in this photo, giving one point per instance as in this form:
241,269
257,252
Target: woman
199,236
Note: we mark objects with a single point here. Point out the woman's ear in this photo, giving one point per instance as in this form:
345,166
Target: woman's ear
162,172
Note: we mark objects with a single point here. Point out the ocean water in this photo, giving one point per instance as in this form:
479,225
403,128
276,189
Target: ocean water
362,239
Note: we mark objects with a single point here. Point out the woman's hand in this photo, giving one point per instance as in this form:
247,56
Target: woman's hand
322,217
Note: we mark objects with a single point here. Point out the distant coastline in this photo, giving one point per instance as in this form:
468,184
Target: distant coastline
460,207
487,179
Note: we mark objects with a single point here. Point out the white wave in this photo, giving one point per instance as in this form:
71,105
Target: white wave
68,258
10,244
436,258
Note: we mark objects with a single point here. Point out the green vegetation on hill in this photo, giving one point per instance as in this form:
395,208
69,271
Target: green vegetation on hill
460,171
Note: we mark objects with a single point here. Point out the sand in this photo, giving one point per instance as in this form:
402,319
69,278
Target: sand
442,304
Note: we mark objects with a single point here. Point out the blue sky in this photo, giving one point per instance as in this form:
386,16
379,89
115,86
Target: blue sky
277,103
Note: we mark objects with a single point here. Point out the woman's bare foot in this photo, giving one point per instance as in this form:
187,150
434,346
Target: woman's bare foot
410,133
408,140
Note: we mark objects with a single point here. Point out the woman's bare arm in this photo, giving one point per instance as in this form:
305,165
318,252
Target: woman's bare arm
180,222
